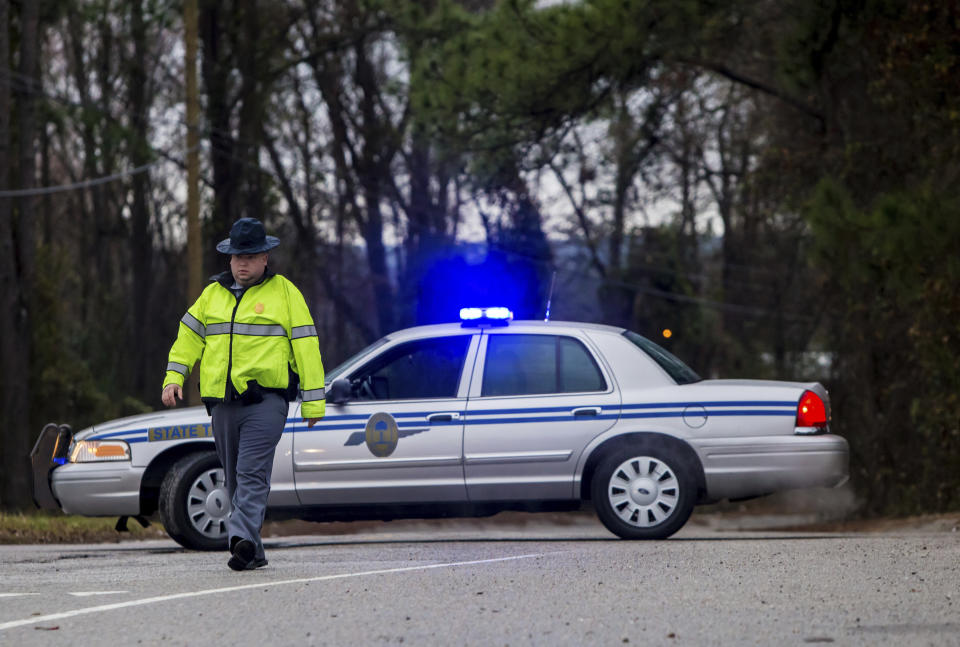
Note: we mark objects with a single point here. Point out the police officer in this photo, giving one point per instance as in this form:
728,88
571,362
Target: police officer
254,337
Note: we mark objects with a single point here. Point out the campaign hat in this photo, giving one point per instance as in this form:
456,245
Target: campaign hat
247,236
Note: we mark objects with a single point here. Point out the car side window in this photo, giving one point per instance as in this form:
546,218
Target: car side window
426,368
532,364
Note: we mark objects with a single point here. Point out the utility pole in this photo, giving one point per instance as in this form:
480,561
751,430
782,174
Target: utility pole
194,243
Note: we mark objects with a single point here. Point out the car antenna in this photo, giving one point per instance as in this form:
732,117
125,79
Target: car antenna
553,280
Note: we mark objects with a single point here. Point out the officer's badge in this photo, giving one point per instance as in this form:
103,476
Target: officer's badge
258,308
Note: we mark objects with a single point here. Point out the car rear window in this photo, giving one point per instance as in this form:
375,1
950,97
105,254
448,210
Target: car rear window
680,372
537,364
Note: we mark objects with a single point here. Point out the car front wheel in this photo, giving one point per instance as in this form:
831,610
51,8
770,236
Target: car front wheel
643,492
194,504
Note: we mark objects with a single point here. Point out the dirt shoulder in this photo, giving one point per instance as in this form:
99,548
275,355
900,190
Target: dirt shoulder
927,523
50,528
45,528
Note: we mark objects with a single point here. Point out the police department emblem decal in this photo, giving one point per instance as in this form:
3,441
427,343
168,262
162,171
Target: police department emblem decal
381,434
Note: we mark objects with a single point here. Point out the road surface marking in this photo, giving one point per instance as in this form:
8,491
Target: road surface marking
15,595
83,594
228,589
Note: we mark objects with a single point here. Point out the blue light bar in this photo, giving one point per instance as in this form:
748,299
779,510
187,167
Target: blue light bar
498,314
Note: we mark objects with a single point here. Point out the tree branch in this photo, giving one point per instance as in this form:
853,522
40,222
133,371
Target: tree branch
743,79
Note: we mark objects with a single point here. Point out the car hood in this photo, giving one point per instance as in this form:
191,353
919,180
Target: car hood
186,415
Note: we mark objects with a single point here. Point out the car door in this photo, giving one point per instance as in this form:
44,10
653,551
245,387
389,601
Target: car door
400,437
540,400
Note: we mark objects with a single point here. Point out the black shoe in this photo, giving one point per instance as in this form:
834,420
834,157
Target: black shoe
243,556
259,562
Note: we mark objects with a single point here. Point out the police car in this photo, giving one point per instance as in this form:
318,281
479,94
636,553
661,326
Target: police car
470,419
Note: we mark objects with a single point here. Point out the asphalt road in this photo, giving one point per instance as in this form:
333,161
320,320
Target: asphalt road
470,584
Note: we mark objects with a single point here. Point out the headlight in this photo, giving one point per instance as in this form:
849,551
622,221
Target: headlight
95,451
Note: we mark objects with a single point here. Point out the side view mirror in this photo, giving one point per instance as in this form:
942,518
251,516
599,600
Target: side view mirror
340,391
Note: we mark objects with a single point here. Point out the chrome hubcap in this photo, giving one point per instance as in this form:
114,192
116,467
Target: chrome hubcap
643,491
208,505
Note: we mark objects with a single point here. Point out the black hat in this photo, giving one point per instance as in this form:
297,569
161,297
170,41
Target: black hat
247,236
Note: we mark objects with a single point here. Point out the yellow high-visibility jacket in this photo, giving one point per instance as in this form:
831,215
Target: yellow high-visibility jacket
254,337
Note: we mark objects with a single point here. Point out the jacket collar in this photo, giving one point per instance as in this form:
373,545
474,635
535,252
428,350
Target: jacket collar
226,278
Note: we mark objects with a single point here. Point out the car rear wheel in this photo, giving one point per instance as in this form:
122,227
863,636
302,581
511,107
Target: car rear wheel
643,491
194,504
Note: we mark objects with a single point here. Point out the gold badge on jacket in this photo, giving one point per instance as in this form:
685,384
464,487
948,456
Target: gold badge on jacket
258,308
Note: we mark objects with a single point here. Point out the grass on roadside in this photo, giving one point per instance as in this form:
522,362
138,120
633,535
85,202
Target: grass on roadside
55,528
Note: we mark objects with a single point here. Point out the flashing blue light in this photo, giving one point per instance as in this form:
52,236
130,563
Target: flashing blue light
59,461
471,274
490,314
498,313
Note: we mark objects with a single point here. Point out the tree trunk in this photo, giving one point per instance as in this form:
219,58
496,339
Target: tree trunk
617,298
100,271
373,166
215,70
142,334
254,86
11,365
18,283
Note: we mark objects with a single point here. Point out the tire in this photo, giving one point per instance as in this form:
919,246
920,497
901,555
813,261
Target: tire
644,491
194,504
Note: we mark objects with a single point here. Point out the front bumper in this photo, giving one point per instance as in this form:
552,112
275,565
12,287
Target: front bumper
91,489
98,489
739,467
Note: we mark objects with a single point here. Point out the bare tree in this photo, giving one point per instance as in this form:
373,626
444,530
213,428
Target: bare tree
17,268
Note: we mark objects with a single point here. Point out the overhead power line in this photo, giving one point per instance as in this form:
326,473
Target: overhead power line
85,184
657,293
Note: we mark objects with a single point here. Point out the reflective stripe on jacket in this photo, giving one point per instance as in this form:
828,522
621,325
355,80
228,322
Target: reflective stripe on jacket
254,337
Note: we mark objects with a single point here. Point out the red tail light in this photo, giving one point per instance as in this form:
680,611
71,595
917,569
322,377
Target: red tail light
811,411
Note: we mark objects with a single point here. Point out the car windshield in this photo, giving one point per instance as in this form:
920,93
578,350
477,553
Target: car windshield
335,373
680,372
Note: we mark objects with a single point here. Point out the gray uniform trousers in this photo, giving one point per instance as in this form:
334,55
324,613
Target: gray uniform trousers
246,438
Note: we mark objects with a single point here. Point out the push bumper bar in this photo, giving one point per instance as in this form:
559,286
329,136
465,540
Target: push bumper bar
48,452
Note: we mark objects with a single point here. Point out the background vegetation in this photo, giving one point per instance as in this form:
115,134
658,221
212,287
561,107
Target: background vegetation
775,182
